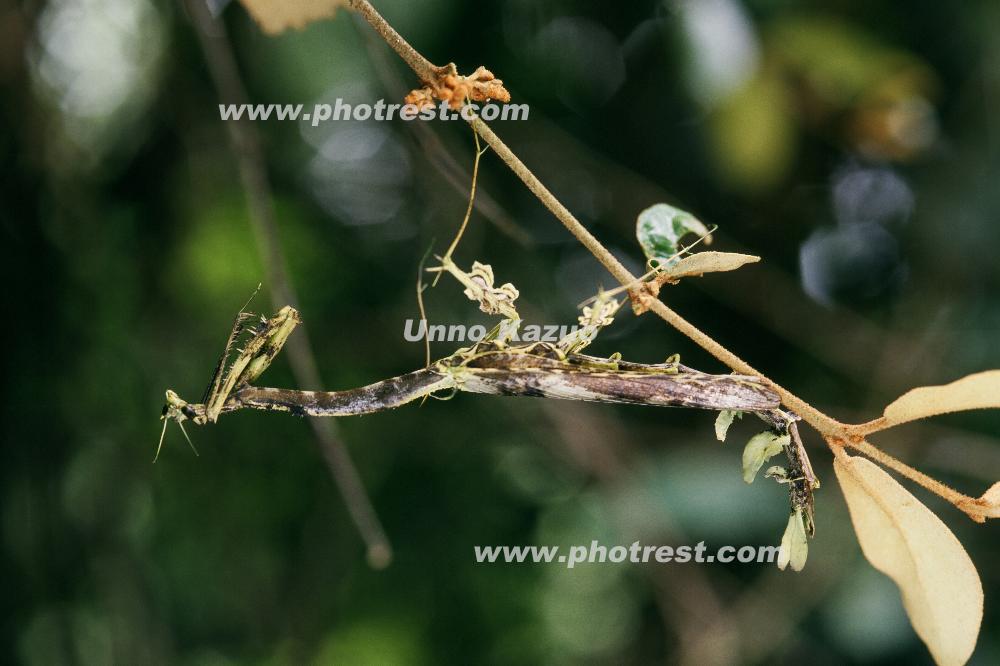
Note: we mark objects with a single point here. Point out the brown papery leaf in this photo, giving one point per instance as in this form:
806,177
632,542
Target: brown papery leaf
274,16
709,262
978,391
903,539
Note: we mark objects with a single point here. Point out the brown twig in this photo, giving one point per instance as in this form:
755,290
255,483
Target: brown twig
878,455
256,186
420,65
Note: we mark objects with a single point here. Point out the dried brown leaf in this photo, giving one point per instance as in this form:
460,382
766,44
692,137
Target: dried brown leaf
455,89
978,391
691,266
275,16
903,539
794,547
421,98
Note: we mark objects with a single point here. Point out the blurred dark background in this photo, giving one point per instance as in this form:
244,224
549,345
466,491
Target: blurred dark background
854,146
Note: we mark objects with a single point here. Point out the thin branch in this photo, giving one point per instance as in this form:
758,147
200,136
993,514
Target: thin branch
256,186
615,267
869,427
421,66
931,484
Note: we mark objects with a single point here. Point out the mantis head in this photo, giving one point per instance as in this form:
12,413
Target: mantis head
177,409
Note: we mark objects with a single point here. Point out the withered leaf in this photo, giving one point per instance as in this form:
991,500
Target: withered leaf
723,421
903,539
709,262
977,391
794,547
761,448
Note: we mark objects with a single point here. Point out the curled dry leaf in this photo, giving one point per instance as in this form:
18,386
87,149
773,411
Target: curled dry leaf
903,539
978,391
594,317
762,447
794,548
776,472
987,506
275,16
480,86
492,300
451,87
723,421
421,98
694,265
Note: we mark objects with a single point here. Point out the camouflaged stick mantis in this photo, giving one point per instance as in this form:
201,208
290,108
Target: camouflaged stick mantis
496,366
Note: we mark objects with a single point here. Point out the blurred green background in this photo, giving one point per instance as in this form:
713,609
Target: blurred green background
855,146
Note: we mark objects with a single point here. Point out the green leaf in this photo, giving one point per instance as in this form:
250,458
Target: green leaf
660,229
759,449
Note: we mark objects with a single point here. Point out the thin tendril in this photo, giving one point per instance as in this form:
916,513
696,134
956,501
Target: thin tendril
420,305
468,210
